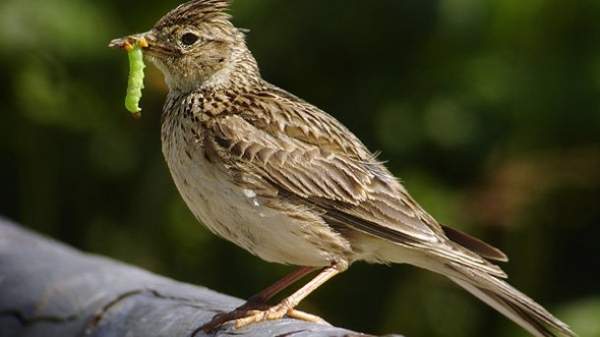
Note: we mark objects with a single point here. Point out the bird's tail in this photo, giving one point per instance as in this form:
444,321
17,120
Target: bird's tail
507,300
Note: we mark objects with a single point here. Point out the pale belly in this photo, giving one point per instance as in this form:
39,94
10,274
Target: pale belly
240,216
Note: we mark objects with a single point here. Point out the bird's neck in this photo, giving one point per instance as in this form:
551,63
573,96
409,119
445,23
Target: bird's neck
240,72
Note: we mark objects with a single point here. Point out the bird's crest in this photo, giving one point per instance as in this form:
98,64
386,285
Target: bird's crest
198,11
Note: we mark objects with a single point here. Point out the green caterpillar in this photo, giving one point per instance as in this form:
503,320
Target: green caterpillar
135,82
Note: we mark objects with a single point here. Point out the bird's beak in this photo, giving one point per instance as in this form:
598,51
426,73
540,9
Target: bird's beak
144,40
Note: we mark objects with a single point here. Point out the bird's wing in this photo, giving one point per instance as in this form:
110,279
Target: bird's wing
303,153
308,155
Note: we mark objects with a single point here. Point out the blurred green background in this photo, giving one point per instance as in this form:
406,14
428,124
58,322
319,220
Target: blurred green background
489,111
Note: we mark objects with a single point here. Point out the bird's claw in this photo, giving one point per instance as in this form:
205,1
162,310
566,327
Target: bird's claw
255,313
256,316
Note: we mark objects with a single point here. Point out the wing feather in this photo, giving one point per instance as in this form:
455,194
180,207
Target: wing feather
306,154
334,181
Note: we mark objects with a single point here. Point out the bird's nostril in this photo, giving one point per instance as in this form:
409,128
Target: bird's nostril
150,37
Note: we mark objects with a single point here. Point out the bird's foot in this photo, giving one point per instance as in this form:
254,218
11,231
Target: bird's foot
251,313
242,311
274,313
304,316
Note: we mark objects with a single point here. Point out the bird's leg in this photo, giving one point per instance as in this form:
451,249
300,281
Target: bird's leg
259,301
288,304
265,295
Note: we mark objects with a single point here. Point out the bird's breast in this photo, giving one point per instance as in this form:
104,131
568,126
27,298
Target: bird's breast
288,234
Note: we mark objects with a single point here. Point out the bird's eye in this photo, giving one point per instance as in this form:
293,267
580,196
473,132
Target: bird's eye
189,39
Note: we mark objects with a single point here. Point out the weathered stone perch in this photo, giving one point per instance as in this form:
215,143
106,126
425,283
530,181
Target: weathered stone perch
50,290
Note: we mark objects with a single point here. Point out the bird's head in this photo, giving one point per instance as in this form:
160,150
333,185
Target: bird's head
196,45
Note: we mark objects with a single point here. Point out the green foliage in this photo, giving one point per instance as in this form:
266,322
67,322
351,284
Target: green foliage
488,110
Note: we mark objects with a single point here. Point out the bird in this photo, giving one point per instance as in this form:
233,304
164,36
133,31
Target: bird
290,184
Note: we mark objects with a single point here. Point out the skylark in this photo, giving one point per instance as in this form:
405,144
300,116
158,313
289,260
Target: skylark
284,180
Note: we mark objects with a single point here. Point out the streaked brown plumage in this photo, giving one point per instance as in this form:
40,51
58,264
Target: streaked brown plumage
289,183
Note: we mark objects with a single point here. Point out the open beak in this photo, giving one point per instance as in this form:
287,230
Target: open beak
144,40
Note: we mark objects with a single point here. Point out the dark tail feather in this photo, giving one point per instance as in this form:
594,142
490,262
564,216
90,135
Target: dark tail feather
510,302
475,245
